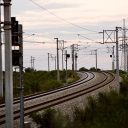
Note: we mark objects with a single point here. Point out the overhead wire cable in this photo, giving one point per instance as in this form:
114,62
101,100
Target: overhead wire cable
79,35
29,41
84,37
41,7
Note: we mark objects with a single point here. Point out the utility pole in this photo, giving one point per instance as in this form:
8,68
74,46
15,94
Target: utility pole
31,62
53,58
72,47
62,55
48,63
112,37
55,62
58,74
66,56
96,58
61,47
127,58
111,50
8,65
76,56
117,60
113,58
124,46
1,72
20,33
66,64
95,53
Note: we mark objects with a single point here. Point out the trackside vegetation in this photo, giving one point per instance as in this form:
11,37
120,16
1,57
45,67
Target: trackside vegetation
39,81
107,110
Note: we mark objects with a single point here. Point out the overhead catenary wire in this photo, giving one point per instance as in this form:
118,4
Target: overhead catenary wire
41,7
79,35
29,41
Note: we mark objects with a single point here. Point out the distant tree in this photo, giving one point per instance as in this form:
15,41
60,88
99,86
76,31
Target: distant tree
29,69
83,69
94,69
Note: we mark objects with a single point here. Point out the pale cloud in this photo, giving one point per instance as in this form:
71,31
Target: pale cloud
91,14
88,12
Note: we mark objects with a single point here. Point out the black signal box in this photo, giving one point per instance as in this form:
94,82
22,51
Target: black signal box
16,54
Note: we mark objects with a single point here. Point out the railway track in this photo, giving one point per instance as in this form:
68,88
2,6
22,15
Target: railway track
83,78
88,83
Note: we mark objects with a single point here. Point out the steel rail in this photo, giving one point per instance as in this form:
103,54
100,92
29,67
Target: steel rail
39,94
64,98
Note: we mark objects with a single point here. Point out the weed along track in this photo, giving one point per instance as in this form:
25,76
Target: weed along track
89,82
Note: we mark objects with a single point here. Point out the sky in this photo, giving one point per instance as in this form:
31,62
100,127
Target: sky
44,20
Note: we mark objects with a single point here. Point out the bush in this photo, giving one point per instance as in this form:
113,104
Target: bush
48,119
124,84
94,69
107,110
29,70
83,69
52,84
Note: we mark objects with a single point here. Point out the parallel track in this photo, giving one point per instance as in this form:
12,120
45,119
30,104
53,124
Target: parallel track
108,78
83,79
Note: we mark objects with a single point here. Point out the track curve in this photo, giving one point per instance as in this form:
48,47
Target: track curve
89,82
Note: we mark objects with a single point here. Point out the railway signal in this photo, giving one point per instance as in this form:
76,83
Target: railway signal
67,56
16,54
14,31
17,60
76,56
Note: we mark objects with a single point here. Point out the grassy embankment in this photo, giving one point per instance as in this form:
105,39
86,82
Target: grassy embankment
107,110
